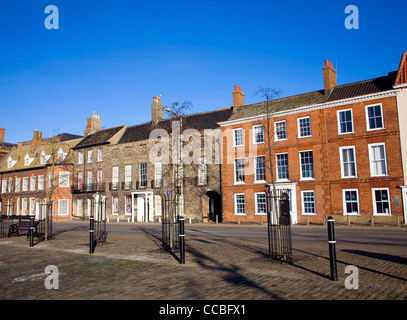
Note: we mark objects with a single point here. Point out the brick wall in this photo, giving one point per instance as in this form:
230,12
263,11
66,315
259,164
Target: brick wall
325,143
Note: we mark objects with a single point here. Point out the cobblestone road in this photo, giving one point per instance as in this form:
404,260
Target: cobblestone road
132,266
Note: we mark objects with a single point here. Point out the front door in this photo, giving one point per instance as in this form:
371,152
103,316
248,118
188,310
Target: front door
284,208
140,208
291,205
143,207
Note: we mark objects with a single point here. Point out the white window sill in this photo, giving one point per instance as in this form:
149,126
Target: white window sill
369,130
307,179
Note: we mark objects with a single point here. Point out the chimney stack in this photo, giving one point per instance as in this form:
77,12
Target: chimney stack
238,97
157,109
93,124
2,134
37,139
329,77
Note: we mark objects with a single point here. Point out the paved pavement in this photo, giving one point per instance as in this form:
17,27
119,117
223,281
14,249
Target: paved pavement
131,265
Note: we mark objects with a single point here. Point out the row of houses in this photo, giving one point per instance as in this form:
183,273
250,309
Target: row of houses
337,151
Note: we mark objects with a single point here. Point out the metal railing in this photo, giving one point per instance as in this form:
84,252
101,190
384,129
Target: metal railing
170,225
280,246
279,230
97,220
36,229
93,187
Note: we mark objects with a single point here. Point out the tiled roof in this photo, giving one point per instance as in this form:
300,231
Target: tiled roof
277,105
140,132
316,97
363,87
68,136
62,137
199,121
98,138
19,156
7,145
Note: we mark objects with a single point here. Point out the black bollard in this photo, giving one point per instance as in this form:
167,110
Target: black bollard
31,231
182,239
91,232
332,249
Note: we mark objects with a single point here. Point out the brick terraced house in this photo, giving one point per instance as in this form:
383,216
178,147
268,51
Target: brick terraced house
29,170
92,166
117,164
337,151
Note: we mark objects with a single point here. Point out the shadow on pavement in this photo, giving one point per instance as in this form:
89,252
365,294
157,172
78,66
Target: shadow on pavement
381,256
232,274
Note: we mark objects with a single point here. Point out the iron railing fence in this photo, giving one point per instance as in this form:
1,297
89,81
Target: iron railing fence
170,224
36,229
280,246
279,225
97,227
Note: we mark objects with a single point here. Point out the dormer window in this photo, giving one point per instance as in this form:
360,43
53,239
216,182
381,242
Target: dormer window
61,155
28,160
44,157
11,163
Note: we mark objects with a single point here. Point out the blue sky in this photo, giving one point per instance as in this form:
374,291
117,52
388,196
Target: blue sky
112,57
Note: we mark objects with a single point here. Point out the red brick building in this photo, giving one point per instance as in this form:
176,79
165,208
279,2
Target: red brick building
336,151
28,171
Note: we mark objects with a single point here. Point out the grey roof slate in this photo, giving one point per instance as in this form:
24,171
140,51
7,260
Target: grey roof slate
98,137
199,121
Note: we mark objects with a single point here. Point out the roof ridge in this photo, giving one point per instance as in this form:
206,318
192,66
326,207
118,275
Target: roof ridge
122,125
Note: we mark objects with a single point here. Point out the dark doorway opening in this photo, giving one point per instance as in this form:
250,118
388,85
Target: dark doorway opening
214,206
284,208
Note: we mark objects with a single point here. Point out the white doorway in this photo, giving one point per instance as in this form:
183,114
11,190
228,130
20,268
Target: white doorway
291,190
142,206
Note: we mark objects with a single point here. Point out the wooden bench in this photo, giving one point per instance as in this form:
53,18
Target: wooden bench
23,227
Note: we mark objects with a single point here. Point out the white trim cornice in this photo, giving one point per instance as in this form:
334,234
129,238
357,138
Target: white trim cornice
358,99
